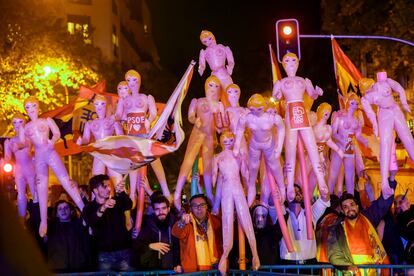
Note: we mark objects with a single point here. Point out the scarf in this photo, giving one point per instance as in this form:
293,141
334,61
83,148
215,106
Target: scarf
364,243
204,244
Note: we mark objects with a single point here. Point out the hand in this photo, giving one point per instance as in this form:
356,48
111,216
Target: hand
109,204
406,107
79,141
120,186
147,125
134,233
375,129
178,269
186,218
50,145
229,69
318,90
340,152
161,247
198,123
324,192
353,269
200,70
143,182
73,184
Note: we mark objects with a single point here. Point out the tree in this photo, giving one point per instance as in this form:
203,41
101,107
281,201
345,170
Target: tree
39,57
374,17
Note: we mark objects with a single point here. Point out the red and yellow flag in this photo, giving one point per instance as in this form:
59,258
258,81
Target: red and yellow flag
127,153
347,75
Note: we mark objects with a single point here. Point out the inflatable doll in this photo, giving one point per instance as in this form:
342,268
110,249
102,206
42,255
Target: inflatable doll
390,118
37,131
24,170
346,126
323,137
139,111
99,128
216,56
230,192
202,137
261,125
292,88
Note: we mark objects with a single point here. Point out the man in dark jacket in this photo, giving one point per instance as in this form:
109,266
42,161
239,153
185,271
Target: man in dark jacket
155,247
106,217
68,242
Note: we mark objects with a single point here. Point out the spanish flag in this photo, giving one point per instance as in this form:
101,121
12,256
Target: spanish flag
347,77
127,153
346,74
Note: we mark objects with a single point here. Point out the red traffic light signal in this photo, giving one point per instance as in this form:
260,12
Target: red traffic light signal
287,38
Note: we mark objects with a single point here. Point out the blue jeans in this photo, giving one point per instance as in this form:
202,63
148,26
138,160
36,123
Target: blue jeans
115,260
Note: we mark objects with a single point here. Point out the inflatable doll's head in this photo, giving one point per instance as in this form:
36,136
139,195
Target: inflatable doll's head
207,38
212,88
233,94
352,101
290,63
324,111
227,139
123,89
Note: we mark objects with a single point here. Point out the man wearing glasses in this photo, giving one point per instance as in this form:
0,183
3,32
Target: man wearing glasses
200,237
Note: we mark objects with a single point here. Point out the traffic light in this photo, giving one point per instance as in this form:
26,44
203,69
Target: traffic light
287,38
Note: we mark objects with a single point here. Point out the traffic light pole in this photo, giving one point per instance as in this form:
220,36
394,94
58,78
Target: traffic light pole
359,37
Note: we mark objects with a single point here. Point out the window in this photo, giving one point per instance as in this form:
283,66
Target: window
83,2
115,40
80,24
114,7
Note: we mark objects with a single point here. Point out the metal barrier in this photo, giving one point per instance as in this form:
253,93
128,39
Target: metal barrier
325,270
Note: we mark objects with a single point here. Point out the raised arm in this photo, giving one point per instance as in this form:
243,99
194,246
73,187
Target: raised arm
366,106
400,90
202,62
118,128
152,109
313,92
230,60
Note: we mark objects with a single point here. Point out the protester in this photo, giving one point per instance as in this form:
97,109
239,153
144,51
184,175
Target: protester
106,217
156,248
68,243
200,237
354,240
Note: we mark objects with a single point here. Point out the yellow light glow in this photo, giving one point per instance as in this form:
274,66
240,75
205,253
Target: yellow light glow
7,168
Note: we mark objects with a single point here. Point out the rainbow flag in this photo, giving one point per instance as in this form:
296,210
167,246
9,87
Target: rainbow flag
127,153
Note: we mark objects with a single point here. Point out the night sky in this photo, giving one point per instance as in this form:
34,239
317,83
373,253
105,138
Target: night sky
247,28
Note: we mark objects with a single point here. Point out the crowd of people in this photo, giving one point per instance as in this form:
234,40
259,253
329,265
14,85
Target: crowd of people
347,231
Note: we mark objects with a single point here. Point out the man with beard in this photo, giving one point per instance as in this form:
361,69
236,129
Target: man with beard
155,247
305,250
354,240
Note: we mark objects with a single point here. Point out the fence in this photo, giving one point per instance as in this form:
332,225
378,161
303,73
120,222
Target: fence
325,270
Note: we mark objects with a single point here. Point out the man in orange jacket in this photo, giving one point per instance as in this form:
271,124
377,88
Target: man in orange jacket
200,237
